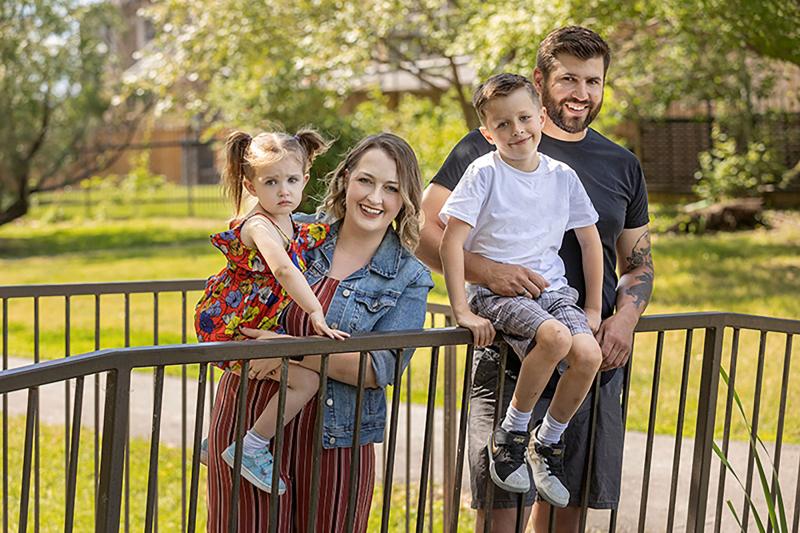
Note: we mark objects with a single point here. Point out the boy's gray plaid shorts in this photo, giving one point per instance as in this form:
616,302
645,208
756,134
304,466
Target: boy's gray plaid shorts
518,317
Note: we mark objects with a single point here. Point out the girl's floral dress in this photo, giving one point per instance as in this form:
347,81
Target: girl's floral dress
245,293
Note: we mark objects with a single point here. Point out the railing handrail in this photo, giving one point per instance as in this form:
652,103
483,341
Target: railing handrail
646,324
720,319
99,288
58,370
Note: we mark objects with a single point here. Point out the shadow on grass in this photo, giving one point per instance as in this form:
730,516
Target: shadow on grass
100,237
728,246
727,287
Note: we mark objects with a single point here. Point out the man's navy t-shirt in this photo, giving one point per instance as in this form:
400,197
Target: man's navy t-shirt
611,176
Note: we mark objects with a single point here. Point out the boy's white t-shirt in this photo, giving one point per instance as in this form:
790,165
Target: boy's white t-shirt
518,217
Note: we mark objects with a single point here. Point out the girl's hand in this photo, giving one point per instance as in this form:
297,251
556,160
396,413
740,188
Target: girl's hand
593,317
317,319
481,328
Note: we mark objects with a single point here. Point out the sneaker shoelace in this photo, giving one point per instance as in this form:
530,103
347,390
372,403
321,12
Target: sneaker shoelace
263,461
512,453
554,463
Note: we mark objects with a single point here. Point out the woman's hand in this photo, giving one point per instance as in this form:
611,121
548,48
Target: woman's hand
263,368
317,319
262,334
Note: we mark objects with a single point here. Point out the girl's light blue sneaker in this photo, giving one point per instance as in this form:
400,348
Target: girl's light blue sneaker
256,468
204,452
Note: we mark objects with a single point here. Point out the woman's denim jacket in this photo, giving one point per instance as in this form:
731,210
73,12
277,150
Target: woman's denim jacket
388,294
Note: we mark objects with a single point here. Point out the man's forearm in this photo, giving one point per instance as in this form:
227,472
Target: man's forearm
634,291
476,268
635,286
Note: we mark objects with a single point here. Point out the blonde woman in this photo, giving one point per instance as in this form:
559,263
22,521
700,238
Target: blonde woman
366,277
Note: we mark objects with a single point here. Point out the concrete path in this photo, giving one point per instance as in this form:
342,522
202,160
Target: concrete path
658,495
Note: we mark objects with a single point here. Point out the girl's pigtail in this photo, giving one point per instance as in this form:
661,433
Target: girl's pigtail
313,143
237,168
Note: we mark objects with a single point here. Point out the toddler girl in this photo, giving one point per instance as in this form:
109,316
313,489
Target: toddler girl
265,251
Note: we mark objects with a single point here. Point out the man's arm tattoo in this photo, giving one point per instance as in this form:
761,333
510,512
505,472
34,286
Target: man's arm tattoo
642,260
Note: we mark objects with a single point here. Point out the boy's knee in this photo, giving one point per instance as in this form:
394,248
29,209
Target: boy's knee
586,355
554,338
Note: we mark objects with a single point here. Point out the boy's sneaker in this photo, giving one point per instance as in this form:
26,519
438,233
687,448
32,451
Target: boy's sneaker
508,460
204,452
256,468
547,463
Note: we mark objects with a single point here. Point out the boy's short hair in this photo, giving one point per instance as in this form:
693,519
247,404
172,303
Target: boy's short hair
501,85
576,41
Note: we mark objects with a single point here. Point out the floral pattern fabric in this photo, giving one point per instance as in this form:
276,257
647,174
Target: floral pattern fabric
245,292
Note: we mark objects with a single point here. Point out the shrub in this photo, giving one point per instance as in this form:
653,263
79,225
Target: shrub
727,173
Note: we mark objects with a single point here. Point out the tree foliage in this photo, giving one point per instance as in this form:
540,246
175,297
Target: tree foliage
269,57
769,28
301,61
53,96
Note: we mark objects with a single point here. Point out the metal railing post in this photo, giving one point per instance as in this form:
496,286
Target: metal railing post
112,458
704,432
450,425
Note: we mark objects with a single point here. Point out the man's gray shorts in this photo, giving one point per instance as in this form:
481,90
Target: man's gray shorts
605,481
519,317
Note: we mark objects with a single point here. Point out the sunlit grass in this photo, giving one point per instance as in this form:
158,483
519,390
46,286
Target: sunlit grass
754,272
52,485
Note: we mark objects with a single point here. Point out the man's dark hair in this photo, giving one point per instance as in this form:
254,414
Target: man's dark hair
501,85
576,41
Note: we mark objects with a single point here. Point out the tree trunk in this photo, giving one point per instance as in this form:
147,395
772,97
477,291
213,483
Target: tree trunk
470,117
16,210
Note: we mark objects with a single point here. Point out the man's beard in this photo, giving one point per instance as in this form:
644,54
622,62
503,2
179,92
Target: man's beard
555,110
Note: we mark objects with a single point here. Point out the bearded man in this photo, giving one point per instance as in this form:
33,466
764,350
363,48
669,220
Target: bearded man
571,67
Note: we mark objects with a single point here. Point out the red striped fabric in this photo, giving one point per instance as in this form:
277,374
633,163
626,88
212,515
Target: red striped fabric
297,460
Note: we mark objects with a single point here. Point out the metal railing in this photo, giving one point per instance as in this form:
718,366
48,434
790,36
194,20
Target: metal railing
722,333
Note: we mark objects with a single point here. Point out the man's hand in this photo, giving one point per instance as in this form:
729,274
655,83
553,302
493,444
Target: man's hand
514,280
615,337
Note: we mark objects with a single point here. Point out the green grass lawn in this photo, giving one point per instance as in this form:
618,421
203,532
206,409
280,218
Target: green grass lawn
52,490
755,272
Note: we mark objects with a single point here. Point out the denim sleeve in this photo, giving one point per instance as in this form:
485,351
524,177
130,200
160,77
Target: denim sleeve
409,313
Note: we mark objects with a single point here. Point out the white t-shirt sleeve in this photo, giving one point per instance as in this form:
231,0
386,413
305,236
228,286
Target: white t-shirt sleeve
467,199
581,210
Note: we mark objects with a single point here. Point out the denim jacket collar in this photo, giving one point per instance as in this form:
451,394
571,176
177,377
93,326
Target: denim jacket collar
385,261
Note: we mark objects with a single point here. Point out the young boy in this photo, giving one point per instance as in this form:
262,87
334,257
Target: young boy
514,205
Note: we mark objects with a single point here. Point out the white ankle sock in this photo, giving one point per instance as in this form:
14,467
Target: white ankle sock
551,430
253,442
516,420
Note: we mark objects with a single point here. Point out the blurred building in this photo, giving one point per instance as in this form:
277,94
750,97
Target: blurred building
173,143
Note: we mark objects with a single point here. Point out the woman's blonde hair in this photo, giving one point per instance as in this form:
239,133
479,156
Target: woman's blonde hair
408,220
244,155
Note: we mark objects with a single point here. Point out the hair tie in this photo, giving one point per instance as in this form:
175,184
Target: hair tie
247,139
296,138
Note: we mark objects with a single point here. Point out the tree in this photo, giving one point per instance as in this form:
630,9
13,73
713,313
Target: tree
770,28
298,60
271,58
53,97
